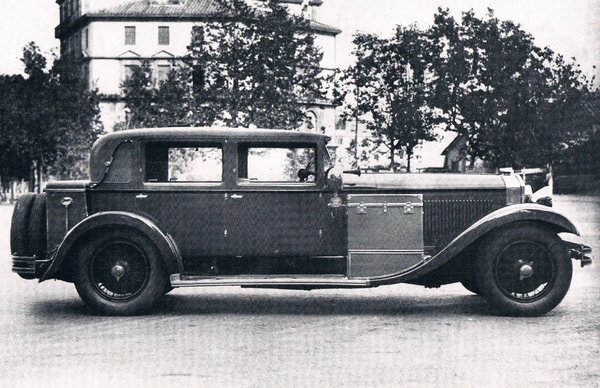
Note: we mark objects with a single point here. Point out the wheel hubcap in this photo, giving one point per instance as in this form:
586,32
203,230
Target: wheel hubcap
524,271
119,270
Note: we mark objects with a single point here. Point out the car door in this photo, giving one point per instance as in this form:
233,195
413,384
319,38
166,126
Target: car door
272,212
184,193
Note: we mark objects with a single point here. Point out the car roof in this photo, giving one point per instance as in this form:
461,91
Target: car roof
104,148
210,133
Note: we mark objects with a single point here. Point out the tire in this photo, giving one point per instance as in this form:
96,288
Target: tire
167,289
523,270
120,273
37,227
471,285
19,227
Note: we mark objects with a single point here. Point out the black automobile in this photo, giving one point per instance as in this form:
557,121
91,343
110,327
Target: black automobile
181,207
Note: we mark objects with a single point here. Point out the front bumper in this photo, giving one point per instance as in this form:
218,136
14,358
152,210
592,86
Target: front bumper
579,253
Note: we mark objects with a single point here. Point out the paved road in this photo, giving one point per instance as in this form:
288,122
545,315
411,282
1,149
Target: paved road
392,336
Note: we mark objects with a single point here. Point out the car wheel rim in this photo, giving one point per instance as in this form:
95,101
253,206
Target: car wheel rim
119,271
524,271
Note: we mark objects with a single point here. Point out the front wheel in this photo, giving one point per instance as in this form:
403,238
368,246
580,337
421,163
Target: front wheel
523,270
119,273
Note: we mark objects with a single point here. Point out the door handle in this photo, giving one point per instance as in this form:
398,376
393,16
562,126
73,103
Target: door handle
236,196
141,196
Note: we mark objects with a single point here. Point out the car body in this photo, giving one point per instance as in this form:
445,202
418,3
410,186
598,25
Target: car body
188,207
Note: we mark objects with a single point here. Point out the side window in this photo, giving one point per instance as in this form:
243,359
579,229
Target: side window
276,163
184,163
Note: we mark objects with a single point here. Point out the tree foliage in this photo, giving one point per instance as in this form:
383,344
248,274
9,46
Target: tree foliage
516,104
390,82
48,119
255,66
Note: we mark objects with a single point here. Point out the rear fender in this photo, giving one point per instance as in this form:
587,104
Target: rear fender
502,217
163,242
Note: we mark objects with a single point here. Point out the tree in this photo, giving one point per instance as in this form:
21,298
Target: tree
389,81
11,163
258,66
49,120
254,66
515,103
75,121
156,105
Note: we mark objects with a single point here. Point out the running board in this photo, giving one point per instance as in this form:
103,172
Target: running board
198,281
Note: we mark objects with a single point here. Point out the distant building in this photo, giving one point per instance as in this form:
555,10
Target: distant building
109,37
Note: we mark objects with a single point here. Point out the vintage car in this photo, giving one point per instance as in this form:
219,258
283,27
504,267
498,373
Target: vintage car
191,207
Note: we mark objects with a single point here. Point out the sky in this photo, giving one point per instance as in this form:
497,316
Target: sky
570,27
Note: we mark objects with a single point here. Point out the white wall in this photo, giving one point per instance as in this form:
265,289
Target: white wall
107,39
327,45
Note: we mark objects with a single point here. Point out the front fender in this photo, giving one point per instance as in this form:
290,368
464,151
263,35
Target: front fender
501,217
165,244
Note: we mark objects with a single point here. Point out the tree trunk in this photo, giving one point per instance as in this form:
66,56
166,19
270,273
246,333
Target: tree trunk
39,176
409,153
392,157
31,182
472,162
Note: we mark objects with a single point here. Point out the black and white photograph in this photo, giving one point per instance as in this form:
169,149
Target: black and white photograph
310,193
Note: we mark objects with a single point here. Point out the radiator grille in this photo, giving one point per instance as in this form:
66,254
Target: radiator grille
446,216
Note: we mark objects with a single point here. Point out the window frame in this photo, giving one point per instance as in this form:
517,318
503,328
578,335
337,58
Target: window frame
127,36
157,67
164,40
183,144
247,183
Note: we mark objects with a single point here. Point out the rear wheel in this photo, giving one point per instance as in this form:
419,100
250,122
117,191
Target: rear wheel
120,273
471,285
523,270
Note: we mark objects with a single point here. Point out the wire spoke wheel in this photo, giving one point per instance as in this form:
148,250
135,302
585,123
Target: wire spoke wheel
524,271
119,270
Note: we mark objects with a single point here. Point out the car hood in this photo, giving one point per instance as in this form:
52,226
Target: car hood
425,181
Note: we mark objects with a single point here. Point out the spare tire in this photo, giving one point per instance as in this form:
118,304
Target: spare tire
37,227
19,228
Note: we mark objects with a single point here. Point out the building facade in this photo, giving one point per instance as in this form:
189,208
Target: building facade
109,37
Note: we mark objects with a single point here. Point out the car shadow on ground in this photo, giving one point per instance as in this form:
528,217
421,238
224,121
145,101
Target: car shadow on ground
292,304
322,305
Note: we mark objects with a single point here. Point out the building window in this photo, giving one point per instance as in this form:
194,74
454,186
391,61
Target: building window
198,78
130,35
163,35
162,74
128,71
310,121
